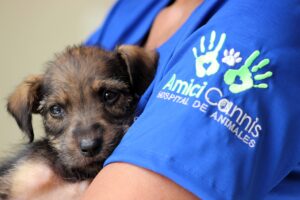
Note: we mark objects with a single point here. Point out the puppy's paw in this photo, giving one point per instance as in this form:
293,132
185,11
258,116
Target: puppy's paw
36,181
31,177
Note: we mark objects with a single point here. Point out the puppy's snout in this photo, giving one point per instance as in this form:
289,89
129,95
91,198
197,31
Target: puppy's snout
89,139
90,147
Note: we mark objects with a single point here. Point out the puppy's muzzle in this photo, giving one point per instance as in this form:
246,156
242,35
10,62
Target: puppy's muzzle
89,139
90,147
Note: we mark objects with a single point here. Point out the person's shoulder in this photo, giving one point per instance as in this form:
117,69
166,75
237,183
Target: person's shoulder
261,16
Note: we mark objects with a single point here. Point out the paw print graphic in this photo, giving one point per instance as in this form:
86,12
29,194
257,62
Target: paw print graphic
231,58
243,79
206,63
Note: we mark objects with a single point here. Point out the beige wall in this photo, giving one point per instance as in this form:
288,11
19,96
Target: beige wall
31,32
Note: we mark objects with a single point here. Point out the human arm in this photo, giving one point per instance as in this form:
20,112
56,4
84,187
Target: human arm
123,181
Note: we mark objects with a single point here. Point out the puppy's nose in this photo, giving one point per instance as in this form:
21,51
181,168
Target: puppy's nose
90,147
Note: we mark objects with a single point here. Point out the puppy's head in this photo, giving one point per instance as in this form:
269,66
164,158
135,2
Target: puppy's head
87,98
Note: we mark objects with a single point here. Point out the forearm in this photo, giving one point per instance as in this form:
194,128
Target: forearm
123,181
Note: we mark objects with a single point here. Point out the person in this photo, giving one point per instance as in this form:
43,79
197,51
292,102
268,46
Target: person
220,119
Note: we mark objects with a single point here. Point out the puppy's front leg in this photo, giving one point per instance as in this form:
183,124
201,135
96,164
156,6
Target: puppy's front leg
34,180
62,191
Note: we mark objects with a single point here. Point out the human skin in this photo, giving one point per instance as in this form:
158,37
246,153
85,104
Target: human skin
124,181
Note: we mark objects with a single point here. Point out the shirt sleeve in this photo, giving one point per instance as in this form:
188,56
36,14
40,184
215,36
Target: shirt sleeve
223,121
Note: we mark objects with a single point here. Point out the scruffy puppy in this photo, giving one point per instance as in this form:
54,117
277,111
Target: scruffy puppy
87,98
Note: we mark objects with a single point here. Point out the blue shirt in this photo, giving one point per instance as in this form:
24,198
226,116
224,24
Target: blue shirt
221,117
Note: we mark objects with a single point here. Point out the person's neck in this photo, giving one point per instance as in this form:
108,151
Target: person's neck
187,3
169,20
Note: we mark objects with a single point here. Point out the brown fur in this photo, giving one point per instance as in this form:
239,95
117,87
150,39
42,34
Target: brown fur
94,93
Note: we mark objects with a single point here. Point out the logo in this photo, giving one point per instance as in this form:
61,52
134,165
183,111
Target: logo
207,64
239,76
245,75
208,56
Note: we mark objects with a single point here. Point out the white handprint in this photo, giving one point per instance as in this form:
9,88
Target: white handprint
206,63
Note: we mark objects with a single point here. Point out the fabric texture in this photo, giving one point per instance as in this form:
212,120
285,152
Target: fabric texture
221,116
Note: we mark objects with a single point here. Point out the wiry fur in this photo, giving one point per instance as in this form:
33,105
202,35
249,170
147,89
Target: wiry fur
76,80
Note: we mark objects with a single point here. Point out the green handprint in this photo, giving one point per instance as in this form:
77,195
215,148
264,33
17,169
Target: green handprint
246,75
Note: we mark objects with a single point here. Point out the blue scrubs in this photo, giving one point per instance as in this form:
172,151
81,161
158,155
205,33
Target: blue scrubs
221,117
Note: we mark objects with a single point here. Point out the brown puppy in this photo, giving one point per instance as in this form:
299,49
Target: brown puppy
87,98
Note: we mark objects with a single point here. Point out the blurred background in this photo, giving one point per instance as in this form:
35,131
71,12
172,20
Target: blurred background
31,32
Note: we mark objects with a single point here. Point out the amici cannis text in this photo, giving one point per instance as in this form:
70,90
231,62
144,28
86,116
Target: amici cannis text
202,97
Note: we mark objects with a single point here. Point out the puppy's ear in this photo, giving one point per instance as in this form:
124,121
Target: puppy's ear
24,101
141,65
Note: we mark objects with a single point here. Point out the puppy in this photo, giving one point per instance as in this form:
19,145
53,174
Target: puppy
87,98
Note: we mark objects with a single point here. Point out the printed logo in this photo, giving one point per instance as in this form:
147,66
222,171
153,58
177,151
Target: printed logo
207,63
239,77
231,58
245,75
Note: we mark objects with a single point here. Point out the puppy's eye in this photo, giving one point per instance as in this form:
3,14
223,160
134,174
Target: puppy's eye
56,111
110,96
